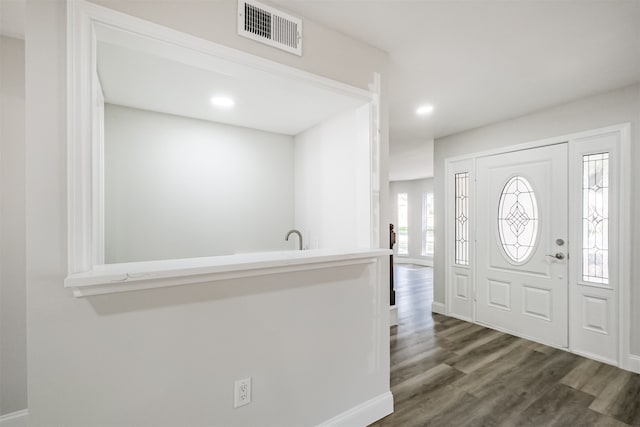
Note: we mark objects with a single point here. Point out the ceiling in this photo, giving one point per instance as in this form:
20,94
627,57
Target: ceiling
477,62
264,101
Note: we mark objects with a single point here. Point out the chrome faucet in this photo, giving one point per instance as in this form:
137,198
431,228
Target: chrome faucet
294,231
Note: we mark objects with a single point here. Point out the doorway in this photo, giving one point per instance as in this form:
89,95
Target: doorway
521,264
534,244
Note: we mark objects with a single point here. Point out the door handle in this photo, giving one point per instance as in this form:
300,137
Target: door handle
557,255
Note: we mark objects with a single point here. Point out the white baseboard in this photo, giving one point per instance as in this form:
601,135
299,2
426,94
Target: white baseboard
417,261
15,419
633,363
438,307
457,316
393,315
364,414
591,356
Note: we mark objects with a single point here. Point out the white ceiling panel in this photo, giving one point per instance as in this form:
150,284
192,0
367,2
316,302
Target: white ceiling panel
263,100
480,62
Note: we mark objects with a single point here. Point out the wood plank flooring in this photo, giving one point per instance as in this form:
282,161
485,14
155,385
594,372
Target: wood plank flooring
447,372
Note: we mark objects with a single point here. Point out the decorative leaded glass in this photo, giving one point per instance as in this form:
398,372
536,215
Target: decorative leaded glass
518,219
595,218
462,218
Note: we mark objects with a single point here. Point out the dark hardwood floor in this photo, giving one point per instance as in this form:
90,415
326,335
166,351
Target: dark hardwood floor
447,372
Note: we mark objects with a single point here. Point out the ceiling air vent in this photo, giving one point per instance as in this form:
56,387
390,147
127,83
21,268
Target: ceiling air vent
270,26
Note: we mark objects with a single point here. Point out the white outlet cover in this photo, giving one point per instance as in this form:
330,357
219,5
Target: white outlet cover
242,392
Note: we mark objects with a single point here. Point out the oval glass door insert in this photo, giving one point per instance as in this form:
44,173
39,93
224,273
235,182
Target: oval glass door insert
518,219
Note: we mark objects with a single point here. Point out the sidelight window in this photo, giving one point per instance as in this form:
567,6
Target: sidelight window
462,218
595,218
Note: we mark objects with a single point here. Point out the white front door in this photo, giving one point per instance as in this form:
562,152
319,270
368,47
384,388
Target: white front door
521,243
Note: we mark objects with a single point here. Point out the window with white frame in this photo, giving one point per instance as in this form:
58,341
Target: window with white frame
462,218
595,218
427,224
403,224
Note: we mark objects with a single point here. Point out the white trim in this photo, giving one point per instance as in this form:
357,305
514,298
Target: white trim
375,89
593,356
84,197
517,334
398,259
626,359
582,340
632,363
457,316
135,276
97,166
451,168
364,414
393,315
568,350
438,307
15,419
79,128
538,143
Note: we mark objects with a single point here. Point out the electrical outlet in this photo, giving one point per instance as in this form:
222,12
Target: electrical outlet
242,392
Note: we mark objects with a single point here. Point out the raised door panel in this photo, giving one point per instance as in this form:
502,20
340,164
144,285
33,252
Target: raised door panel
521,215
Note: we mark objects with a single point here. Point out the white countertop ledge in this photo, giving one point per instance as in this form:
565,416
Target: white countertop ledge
135,276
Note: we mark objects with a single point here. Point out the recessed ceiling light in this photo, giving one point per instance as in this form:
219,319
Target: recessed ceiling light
222,101
424,110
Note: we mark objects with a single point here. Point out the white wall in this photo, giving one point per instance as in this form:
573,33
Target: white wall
179,188
619,106
332,207
409,161
168,357
325,52
13,355
415,190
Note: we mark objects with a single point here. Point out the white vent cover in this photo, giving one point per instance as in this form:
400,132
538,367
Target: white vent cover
270,26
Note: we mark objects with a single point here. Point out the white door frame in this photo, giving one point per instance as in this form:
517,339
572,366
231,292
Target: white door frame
455,275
